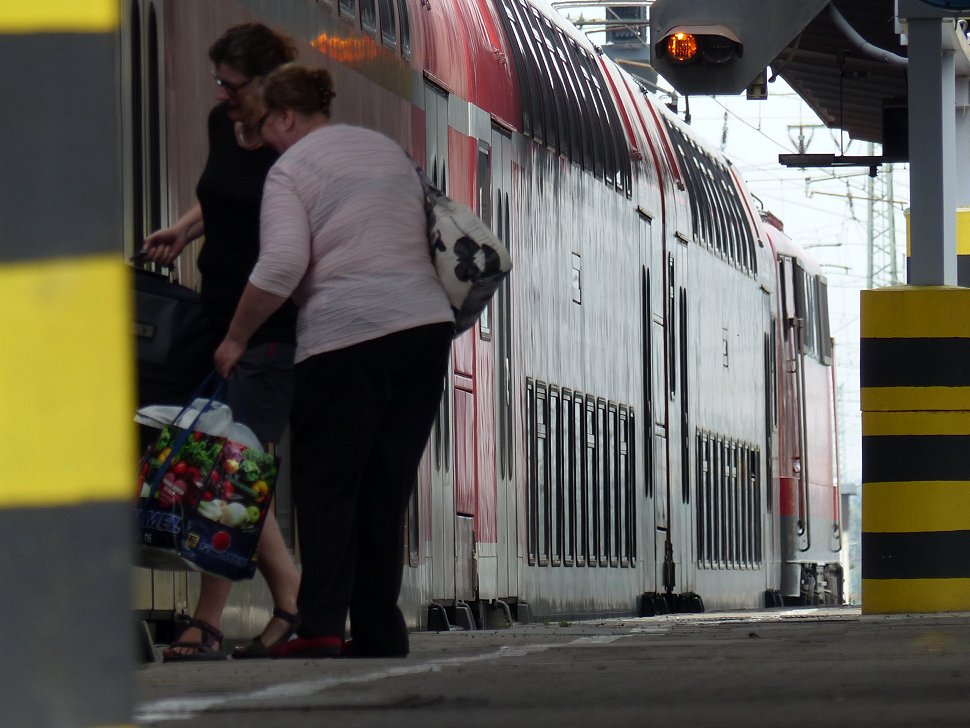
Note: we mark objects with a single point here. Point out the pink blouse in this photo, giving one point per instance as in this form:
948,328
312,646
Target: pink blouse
342,231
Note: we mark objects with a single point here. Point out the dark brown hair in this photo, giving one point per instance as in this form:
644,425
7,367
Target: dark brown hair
304,90
252,49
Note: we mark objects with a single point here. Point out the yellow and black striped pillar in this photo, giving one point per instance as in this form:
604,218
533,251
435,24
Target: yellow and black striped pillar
963,245
915,392
66,372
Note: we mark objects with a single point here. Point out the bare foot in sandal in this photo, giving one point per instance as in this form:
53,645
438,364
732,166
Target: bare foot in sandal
199,641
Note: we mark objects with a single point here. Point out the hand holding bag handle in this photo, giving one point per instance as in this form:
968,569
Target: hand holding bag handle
186,432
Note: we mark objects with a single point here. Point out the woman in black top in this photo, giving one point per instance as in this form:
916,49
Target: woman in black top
229,193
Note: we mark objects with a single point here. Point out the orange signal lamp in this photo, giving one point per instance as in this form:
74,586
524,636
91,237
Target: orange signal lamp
681,47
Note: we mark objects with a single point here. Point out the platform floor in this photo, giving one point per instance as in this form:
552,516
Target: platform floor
795,667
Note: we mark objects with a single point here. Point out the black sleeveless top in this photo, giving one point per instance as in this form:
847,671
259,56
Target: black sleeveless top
230,191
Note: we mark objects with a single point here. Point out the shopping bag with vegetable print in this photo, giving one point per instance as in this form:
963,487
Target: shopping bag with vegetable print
177,463
226,515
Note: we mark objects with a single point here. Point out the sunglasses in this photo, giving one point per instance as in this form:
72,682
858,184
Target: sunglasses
230,87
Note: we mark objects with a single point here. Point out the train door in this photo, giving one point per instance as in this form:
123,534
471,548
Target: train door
442,478
654,393
684,528
500,319
771,532
674,536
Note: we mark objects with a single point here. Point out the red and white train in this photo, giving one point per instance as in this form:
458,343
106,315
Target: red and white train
643,420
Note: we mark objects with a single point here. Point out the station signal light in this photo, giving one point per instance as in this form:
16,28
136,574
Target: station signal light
707,45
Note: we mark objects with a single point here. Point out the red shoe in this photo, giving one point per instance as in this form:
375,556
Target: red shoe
308,648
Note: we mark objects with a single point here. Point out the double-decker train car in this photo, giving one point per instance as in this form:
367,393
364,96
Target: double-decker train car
642,420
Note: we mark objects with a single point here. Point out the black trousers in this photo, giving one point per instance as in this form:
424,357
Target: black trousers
360,421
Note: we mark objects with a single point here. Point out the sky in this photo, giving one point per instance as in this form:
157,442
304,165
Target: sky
826,211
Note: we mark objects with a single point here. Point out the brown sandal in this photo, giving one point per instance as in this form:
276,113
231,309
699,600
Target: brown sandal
205,649
256,648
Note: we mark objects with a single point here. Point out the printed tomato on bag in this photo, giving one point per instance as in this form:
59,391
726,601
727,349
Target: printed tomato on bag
221,533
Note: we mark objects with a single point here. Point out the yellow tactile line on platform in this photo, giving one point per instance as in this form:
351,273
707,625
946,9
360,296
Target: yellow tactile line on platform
914,398
59,16
906,312
66,382
900,596
941,422
916,506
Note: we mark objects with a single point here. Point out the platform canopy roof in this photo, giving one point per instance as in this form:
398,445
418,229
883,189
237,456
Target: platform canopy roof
845,84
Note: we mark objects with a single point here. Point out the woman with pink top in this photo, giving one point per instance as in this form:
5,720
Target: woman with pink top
343,232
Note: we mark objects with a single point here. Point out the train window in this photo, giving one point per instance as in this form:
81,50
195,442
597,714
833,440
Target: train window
623,486
722,209
717,501
801,295
693,195
347,8
531,441
388,28
568,423
542,474
602,106
729,527
537,404
591,140
412,525
744,488
824,333
536,48
578,143
368,16
717,213
805,304
769,376
554,479
701,523
559,87
646,330
139,225
154,97
580,528
402,9
758,521
532,115
630,434
553,84
602,504
714,509
684,403
591,482
671,334
785,292
734,217
484,182
724,509
618,152
612,526
591,110
732,504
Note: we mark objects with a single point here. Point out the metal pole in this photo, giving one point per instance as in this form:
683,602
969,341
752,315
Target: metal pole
932,130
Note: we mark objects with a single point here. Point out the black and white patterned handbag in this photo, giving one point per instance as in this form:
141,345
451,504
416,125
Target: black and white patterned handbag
470,260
